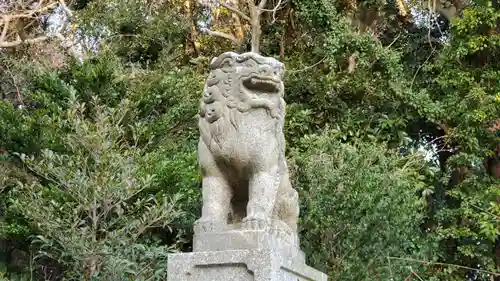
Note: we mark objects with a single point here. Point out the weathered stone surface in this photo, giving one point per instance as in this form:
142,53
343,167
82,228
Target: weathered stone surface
248,227
239,265
246,240
241,150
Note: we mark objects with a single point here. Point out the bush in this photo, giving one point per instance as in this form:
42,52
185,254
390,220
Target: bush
91,214
360,205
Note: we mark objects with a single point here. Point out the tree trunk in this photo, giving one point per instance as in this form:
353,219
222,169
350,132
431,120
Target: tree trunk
256,30
189,7
239,32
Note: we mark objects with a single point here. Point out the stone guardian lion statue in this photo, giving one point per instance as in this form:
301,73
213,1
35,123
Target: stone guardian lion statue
241,151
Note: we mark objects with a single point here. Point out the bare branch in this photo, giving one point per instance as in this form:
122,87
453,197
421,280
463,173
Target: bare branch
223,35
308,67
26,41
235,10
13,24
276,8
253,18
30,13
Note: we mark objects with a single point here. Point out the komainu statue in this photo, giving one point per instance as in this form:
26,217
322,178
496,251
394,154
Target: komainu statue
241,150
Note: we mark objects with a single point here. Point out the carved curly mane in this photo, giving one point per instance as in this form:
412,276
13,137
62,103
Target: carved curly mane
236,85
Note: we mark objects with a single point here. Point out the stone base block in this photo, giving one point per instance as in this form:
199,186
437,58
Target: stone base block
240,265
245,240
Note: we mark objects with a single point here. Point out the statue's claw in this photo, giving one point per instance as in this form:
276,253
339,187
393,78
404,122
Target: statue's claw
255,223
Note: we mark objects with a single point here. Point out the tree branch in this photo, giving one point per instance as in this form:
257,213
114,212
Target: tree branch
9,29
235,10
30,13
26,41
308,67
223,35
275,9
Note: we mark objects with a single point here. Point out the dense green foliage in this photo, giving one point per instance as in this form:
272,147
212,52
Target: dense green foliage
98,169
92,209
360,203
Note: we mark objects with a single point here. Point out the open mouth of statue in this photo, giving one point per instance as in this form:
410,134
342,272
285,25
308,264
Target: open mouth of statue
265,84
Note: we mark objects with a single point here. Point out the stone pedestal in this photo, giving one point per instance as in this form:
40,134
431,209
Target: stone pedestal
241,255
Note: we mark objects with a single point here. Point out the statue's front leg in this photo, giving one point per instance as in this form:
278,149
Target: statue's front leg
216,193
216,203
263,188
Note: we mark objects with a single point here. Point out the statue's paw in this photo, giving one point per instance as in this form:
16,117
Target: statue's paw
255,223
